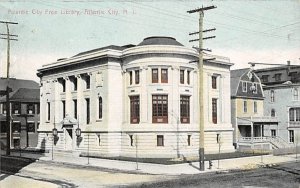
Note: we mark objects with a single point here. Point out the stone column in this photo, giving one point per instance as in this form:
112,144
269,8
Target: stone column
143,95
68,102
80,102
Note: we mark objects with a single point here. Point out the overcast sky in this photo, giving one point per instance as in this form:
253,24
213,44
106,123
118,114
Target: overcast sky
257,31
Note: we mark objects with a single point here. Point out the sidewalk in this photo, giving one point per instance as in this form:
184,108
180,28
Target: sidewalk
175,169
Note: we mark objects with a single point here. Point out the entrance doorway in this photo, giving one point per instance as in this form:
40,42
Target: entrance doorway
69,139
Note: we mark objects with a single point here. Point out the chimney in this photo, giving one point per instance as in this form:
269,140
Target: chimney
288,63
288,67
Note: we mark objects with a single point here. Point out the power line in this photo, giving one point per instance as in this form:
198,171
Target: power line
8,90
200,81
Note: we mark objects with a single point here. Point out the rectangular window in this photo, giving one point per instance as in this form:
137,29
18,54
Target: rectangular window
48,111
64,108
255,107
154,75
3,126
294,76
264,78
214,82
188,77
297,114
277,77
159,109
137,77
4,108
134,109
244,86
30,109
160,140
273,132
131,140
100,107
272,96
189,140
75,84
88,82
184,109
164,75
245,107
63,83
87,101
16,108
75,108
38,108
214,111
291,136
296,94
292,114
16,127
130,77
182,76
31,127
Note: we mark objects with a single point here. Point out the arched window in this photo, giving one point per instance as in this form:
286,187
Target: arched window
273,113
100,108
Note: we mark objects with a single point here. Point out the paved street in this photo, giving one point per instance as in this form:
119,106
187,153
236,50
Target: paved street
68,171
281,176
49,174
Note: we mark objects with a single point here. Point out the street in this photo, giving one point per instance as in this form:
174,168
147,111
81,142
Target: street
49,174
24,172
284,175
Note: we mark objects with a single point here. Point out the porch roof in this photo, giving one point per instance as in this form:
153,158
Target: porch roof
261,120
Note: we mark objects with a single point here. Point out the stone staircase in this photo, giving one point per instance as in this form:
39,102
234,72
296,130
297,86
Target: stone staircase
278,142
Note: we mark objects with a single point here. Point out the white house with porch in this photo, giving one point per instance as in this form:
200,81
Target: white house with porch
251,127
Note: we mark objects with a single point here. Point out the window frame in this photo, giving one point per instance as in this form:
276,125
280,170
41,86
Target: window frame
134,109
184,109
88,112
273,112
33,108
137,76
130,78
214,110
160,141
160,108
255,107
164,75
100,107
33,126
154,73
296,94
245,106
181,77
272,96
48,111
244,86
75,108
16,106
214,82
291,136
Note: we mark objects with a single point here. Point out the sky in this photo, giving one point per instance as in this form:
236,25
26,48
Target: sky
246,31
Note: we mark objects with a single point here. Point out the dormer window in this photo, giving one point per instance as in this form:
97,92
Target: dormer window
265,78
278,77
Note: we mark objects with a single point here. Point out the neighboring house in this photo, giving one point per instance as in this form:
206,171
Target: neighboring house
135,101
282,100
247,107
24,107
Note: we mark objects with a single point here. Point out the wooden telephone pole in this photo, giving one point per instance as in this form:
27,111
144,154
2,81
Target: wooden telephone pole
8,90
200,79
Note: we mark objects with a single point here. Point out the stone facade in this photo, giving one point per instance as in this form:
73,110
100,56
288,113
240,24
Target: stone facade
136,101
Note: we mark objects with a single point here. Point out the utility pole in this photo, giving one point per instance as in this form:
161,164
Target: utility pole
8,118
200,79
